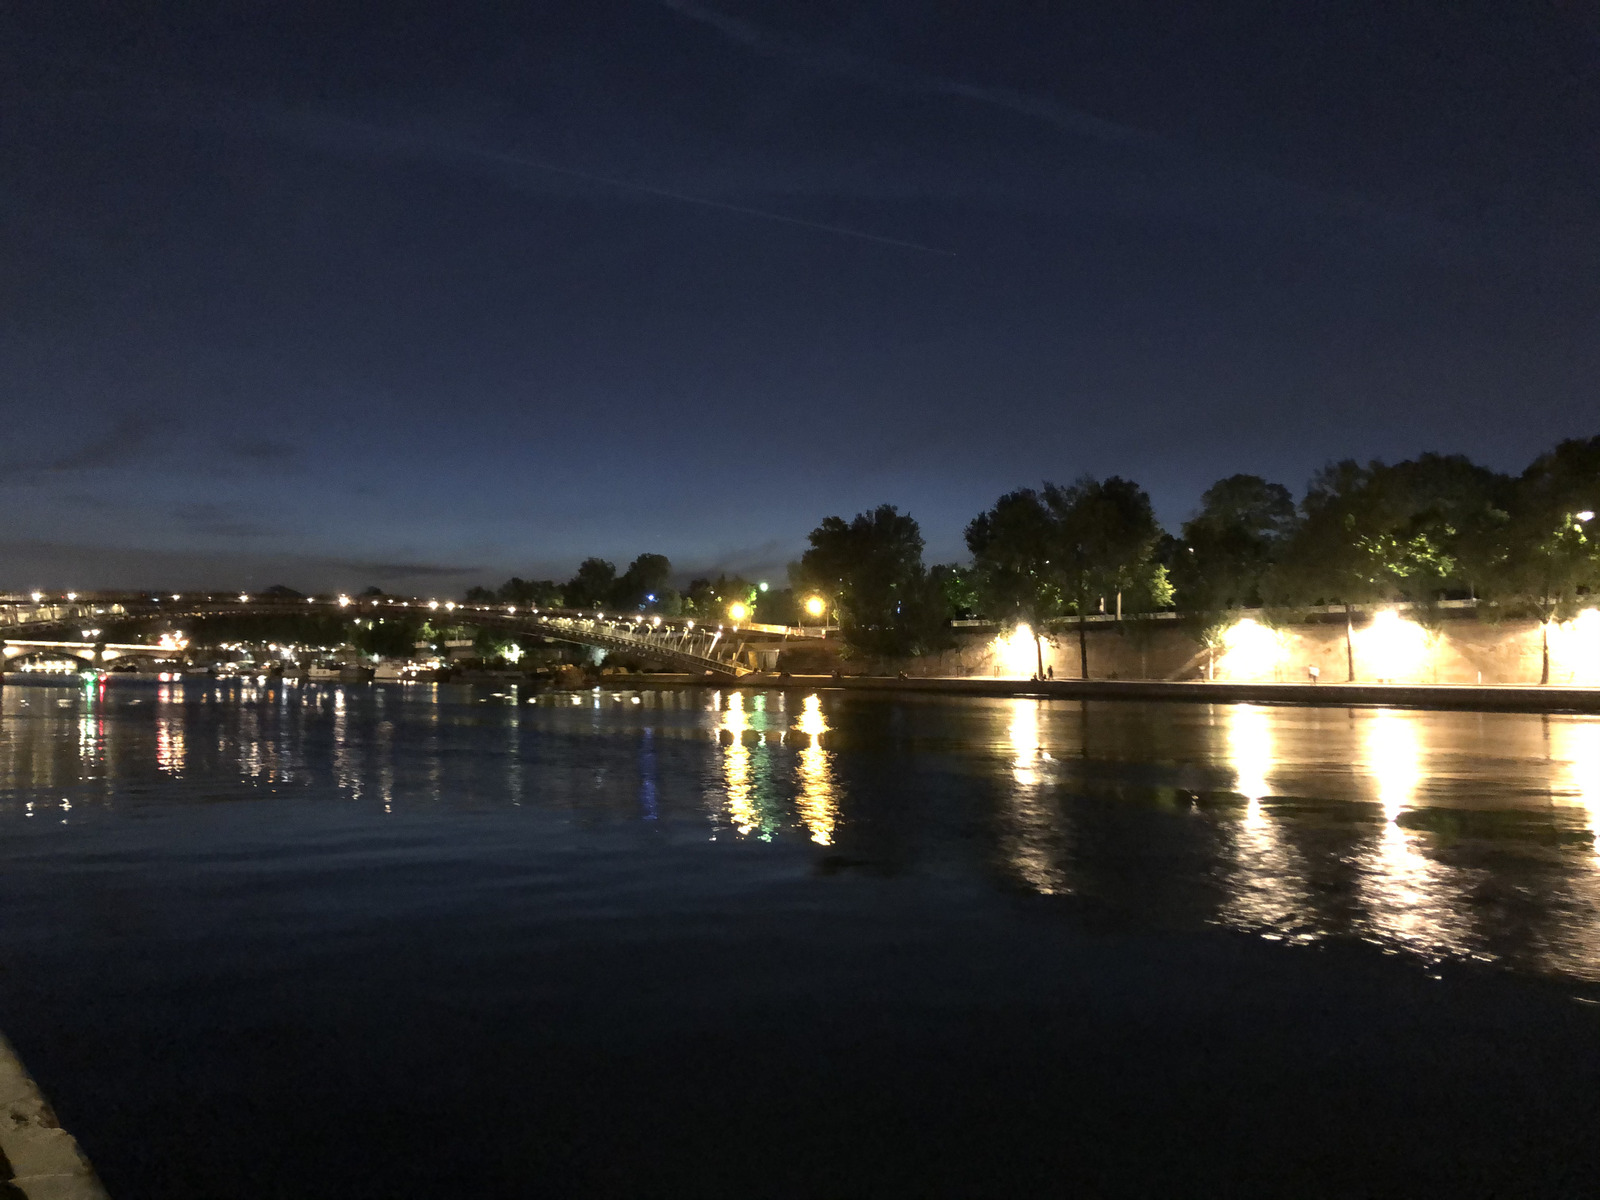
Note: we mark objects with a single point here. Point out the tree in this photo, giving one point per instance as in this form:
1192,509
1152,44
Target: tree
958,589
641,585
1106,538
386,637
1437,511
1228,547
1332,557
872,568
778,606
530,593
1012,546
710,599
591,587
1550,556
1376,533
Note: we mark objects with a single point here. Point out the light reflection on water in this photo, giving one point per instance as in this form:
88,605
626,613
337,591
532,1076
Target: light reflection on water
816,802
1436,834
1410,898
1575,744
742,809
1267,886
1032,837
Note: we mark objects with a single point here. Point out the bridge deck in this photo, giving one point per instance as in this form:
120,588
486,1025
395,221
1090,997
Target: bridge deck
677,642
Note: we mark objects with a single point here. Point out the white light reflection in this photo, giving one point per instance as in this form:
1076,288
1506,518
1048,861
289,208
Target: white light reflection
1394,759
346,775
1249,736
816,802
1575,745
1031,842
736,765
1573,943
1266,889
169,730
1409,899
386,753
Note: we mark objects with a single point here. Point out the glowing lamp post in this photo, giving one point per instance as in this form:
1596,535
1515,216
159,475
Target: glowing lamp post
738,611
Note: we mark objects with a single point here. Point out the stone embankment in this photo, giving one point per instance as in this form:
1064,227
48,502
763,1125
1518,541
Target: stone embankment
42,1160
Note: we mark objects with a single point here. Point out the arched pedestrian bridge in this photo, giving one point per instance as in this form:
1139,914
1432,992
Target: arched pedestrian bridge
677,643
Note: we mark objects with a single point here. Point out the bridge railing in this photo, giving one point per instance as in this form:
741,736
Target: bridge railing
678,641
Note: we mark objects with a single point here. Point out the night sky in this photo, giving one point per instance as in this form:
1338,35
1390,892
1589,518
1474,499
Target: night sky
425,295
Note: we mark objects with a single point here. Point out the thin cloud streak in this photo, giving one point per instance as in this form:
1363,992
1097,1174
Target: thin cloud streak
763,214
333,131
1222,174
885,74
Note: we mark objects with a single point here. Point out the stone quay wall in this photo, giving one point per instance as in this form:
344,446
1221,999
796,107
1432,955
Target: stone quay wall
1461,649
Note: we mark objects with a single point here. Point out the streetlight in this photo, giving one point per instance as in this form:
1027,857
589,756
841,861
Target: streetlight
738,611
816,606
1585,516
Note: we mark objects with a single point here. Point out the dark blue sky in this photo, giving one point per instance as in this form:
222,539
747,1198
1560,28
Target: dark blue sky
431,294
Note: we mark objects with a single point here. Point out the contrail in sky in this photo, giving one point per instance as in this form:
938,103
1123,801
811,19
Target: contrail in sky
843,231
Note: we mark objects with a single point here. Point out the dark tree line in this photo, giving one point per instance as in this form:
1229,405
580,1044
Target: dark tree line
1427,529
1424,530
645,587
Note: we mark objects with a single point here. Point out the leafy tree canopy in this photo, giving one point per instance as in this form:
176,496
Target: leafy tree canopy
1015,569
642,584
1549,553
871,569
592,586
1228,547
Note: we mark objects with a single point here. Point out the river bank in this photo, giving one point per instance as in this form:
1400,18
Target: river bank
1469,697
1442,696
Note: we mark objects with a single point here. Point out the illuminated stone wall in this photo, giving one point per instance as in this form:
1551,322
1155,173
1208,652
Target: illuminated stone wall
1388,647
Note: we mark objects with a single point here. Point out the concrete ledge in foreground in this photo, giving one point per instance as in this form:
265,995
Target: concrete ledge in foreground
45,1161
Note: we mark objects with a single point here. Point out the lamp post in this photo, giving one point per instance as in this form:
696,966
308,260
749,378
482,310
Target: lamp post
817,607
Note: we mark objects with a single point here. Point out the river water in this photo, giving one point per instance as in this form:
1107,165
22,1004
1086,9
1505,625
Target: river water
299,939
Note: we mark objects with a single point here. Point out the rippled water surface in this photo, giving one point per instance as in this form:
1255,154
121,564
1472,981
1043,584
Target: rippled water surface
1440,834
288,939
